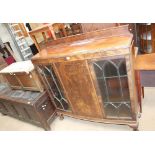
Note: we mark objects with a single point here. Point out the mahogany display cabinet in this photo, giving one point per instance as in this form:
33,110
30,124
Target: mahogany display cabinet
90,76
29,106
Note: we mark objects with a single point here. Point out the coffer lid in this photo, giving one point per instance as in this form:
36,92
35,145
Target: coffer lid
22,66
24,95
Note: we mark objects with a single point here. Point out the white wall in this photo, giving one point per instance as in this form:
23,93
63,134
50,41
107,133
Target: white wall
5,36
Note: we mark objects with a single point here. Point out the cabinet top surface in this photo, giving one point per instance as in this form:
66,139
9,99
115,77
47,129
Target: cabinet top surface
92,45
145,62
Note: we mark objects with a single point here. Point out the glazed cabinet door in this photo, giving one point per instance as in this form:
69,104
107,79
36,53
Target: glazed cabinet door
78,85
111,80
53,86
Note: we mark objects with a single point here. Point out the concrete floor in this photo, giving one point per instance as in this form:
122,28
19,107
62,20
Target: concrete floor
146,122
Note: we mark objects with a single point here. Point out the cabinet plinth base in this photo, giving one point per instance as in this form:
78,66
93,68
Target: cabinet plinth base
48,128
131,123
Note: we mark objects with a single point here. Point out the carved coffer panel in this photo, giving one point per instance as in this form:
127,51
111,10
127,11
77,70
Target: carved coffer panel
78,85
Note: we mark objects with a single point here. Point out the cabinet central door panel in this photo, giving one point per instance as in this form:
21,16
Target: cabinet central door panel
79,88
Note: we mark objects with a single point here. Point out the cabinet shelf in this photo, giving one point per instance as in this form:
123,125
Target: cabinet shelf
118,102
110,77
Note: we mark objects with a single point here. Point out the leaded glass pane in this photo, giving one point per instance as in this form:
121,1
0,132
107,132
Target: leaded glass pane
125,110
114,89
54,86
110,110
109,69
113,84
125,89
58,103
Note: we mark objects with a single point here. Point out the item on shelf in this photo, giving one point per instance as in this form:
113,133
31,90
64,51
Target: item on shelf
76,28
22,75
90,76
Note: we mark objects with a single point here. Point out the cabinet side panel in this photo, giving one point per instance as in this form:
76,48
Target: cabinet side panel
132,85
135,86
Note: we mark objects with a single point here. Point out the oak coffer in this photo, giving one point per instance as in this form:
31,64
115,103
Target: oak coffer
90,76
30,106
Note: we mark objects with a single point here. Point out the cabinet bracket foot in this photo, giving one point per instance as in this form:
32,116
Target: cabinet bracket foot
3,114
134,127
61,116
